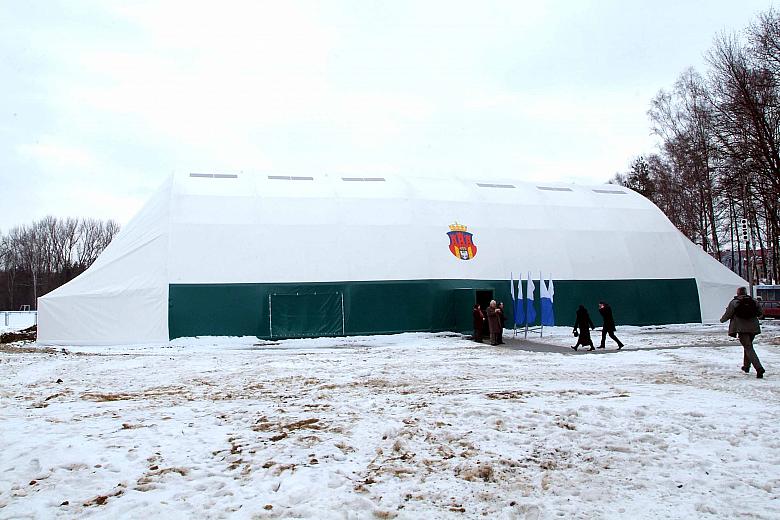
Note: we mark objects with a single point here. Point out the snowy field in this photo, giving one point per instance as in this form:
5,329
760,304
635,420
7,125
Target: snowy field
406,426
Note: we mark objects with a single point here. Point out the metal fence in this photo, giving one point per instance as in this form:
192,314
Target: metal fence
18,319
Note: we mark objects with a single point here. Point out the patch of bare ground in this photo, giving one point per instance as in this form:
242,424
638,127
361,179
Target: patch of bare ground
509,394
146,394
28,347
90,396
28,334
101,500
22,348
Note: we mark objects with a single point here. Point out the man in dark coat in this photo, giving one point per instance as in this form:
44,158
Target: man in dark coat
501,322
745,328
609,325
479,322
584,324
494,322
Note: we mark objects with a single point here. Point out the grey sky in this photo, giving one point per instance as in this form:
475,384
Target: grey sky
100,101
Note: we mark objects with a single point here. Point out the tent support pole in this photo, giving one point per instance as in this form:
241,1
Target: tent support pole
270,322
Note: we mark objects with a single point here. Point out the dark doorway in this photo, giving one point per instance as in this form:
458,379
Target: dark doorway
483,297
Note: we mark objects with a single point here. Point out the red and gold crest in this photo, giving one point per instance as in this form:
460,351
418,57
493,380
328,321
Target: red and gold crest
461,242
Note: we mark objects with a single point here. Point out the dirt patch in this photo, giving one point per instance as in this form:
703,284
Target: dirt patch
509,394
89,396
28,334
146,394
306,423
102,499
21,349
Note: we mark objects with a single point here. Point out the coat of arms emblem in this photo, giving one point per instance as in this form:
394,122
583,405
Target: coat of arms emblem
461,242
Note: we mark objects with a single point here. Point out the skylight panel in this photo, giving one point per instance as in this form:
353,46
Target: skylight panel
214,175
490,185
363,179
610,192
289,178
552,188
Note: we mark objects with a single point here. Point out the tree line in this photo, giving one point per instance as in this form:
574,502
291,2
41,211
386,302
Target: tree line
718,160
38,258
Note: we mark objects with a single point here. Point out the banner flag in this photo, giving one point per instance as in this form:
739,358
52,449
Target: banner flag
512,286
517,302
530,311
546,302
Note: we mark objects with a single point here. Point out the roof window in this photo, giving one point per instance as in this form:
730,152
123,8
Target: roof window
289,178
610,192
215,175
490,185
552,188
363,179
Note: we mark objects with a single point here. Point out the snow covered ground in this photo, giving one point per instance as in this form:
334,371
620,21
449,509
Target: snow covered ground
405,426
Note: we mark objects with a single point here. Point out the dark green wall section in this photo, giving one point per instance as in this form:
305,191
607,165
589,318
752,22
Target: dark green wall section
315,309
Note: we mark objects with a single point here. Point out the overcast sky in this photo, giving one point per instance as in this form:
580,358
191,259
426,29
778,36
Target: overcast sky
100,101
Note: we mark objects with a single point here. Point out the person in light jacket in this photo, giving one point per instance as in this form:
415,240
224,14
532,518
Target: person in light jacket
494,322
746,329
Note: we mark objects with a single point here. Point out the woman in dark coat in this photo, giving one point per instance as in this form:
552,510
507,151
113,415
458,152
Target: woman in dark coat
479,322
584,324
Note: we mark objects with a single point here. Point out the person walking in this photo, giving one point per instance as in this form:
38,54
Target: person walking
582,327
501,322
609,325
743,312
493,322
478,318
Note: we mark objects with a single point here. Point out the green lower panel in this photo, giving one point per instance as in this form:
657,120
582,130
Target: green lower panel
355,308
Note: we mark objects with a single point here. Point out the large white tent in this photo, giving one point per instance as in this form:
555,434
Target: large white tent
283,256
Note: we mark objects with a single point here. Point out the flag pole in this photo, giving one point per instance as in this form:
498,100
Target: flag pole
541,320
514,304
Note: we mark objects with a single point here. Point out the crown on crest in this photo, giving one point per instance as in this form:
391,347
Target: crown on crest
458,227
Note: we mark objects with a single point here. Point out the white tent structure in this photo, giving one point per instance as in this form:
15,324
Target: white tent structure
281,256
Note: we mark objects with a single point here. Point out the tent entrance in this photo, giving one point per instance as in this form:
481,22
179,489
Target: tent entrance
306,315
462,302
483,298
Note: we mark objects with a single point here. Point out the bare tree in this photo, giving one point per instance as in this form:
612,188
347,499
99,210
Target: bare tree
719,156
40,257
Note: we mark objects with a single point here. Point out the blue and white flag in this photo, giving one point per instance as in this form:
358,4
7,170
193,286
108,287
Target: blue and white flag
530,311
546,302
512,287
517,301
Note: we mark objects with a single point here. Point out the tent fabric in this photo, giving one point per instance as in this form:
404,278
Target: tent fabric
273,229
123,296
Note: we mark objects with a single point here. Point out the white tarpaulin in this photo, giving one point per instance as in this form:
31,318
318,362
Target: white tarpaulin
238,229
